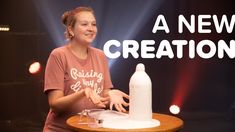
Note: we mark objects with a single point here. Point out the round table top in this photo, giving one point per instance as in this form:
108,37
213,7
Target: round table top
168,124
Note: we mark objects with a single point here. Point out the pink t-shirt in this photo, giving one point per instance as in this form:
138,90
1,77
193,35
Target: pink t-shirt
68,73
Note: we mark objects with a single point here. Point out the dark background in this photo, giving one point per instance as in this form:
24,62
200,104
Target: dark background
198,85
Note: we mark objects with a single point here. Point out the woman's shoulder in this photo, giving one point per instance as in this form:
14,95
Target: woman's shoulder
96,51
59,50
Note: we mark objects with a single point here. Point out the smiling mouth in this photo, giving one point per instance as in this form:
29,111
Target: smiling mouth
89,35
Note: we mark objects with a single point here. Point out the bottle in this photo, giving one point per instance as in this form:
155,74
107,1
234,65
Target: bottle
140,88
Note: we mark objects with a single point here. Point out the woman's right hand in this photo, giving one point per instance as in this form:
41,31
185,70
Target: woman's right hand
95,98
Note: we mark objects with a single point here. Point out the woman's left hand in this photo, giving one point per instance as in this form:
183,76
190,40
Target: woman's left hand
95,98
116,99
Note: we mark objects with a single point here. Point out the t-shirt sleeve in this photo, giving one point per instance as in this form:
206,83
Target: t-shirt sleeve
54,72
107,78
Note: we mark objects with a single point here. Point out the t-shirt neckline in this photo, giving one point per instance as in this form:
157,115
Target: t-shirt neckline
81,61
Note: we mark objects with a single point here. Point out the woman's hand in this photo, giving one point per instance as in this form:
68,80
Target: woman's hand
116,99
95,98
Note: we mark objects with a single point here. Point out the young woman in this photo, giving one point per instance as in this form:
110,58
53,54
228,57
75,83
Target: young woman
77,75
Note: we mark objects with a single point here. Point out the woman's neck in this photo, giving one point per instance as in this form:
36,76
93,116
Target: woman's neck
80,50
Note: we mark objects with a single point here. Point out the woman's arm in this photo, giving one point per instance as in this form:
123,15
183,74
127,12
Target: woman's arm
59,103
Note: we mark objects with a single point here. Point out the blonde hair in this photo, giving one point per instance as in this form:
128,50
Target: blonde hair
69,19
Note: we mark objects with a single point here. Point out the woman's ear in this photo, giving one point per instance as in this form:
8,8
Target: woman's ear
70,31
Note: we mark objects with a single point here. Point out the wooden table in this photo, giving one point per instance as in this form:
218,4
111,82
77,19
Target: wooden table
168,124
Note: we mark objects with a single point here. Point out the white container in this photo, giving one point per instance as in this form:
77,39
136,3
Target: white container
140,88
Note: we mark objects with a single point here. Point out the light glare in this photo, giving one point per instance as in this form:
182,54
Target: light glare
4,28
174,109
34,67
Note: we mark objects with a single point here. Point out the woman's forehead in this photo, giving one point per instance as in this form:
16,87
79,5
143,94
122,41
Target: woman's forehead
85,16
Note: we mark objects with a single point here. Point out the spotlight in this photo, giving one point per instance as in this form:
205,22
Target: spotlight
4,28
174,109
34,67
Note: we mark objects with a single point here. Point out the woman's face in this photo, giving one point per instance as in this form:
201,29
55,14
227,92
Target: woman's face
85,29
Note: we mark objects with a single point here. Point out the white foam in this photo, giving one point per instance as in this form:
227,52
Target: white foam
130,124
117,120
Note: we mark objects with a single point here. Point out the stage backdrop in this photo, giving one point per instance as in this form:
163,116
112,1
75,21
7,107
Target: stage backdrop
196,84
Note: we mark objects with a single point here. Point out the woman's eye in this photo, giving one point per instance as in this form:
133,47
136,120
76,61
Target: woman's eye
84,24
